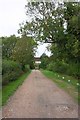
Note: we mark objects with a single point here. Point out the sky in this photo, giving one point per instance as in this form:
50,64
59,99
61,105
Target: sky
12,12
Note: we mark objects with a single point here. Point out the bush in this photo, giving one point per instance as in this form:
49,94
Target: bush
59,66
50,66
71,69
10,71
27,68
74,70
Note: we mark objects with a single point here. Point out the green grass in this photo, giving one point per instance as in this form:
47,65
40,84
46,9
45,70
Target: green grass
9,89
0,98
71,87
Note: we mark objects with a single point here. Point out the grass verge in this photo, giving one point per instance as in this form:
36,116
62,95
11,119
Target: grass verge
0,98
9,89
65,82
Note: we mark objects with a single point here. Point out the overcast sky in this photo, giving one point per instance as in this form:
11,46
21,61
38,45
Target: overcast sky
12,12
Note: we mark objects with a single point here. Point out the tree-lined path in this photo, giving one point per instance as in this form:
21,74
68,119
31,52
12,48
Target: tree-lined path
39,97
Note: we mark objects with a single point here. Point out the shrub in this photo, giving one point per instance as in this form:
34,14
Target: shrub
10,71
74,70
50,66
71,69
59,66
27,68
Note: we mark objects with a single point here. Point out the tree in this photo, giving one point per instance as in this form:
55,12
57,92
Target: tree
57,25
8,44
44,61
45,21
72,16
24,51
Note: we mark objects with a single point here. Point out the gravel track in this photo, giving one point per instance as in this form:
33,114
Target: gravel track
39,97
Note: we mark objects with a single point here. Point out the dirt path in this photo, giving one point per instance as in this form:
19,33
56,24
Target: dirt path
39,97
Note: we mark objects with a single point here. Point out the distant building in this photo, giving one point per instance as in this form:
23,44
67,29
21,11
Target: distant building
37,62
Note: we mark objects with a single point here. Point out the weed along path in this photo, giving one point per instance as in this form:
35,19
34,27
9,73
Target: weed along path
39,97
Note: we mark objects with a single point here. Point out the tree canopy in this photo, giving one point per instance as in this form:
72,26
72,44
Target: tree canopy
55,24
58,24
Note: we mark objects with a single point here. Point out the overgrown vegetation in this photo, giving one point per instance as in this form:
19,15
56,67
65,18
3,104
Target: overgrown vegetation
18,57
11,71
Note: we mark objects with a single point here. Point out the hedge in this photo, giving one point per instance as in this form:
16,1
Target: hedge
71,69
10,71
27,68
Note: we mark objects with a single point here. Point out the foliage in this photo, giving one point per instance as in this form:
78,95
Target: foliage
27,68
59,66
60,26
74,70
23,51
17,52
71,69
71,15
45,21
44,61
8,44
10,71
